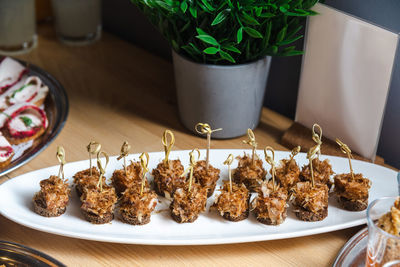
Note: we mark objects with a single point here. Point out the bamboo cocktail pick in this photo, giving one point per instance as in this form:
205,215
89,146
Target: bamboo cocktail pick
124,152
144,163
346,150
294,152
61,158
192,164
315,151
252,142
167,145
271,161
228,162
101,169
204,128
93,148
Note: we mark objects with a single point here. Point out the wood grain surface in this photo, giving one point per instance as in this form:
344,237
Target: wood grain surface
119,92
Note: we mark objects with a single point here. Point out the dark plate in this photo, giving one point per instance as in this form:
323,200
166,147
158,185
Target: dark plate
56,107
13,254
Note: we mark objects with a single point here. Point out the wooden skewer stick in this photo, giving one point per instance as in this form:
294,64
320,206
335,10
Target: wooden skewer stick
346,150
144,162
93,148
204,128
252,142
101,169
228,162
61,158
294,152
271,161
192,164
124,152
167,146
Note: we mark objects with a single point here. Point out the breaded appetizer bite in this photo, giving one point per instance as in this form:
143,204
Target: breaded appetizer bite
168,174
98,202
53,197
351,189
233,202
190,200
204,173
137,204
250,170
287,173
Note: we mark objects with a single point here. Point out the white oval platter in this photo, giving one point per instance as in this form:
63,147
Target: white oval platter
16,204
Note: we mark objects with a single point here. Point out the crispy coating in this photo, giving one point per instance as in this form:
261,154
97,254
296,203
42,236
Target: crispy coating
53,195
83,179
354,190
207,178
99,202
270,205
167,178
322,172
310,198
187,205
287,173
235,203
133,178
248,174
138,206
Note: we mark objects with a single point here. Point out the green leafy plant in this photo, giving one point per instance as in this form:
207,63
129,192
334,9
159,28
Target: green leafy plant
229,31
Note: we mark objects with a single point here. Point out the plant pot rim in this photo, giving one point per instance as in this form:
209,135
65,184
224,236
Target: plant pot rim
220,66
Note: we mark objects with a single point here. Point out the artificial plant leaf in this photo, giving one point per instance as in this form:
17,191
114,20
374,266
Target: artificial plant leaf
208,39
211,50
184,6
193,12
219,18
239,35
253,32
231,48
226,56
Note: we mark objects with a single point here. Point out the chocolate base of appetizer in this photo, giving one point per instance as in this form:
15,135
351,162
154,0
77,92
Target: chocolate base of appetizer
248,174
40,208
167,178
96,219
134,220
352,205
309,216
243,216
17,141
206,177
187,205
322,171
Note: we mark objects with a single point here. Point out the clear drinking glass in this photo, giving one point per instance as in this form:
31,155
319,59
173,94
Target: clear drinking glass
383,248
78,22
17,26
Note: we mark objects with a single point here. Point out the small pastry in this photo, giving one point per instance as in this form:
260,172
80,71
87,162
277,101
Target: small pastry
270,204
53,197
190,200
6,152
88,177
98,202
204,173
351,189
168,174
310,202
137,204
24,122
11,71
233,202
250,171
287,173
320,171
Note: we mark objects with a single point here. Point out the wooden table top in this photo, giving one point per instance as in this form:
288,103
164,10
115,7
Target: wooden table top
119,92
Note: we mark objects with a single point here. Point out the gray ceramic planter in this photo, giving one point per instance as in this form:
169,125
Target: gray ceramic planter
228,97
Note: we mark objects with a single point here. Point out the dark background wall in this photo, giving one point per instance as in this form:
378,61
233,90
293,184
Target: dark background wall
125,20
